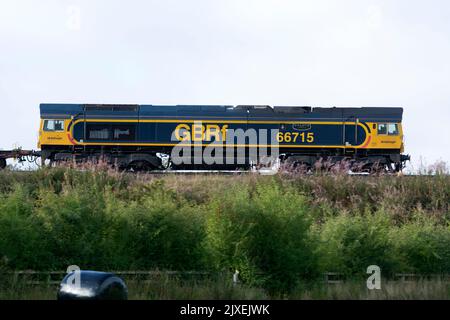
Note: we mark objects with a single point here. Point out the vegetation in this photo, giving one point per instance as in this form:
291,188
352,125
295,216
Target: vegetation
281,232
167,288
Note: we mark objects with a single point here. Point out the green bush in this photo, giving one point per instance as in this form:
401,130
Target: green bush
159,231
93,228
73,226
279,232
20,233
263,234
349,244
423,246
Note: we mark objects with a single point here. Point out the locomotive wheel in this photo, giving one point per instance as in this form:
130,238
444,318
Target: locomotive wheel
139,166
2,163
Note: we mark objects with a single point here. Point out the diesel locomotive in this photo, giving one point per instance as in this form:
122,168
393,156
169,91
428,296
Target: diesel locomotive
138,137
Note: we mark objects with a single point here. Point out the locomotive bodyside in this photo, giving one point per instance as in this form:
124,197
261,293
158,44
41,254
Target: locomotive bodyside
302,134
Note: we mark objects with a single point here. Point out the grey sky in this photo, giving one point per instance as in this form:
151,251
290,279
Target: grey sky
276,52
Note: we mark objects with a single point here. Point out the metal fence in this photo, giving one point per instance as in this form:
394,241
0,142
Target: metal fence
330,278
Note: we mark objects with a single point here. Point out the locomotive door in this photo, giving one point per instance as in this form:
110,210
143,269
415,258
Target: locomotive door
350,132
258,130
258,119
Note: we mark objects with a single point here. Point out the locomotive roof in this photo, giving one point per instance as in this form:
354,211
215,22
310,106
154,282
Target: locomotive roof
65,111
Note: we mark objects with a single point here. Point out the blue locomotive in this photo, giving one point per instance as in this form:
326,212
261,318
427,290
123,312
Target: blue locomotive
135,136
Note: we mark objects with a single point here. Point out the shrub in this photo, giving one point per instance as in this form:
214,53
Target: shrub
73,226
423,246
93,228
20,245
275,230
349,244
264,234
159,231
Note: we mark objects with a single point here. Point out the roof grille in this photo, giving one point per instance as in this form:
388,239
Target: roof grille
111,107
292,109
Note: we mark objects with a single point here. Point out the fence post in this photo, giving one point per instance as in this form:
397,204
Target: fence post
236,278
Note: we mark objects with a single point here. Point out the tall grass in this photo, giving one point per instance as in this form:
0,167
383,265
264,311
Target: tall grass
165,288
280,232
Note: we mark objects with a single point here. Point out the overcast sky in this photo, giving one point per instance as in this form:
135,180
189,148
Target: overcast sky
275,52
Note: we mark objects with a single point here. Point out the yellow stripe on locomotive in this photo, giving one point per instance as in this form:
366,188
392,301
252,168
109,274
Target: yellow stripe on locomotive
379,135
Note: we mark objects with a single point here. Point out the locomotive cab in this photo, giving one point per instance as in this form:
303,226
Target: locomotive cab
53,132
387,135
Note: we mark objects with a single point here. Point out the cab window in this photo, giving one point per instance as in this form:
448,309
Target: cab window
382,128
392,129
53,125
